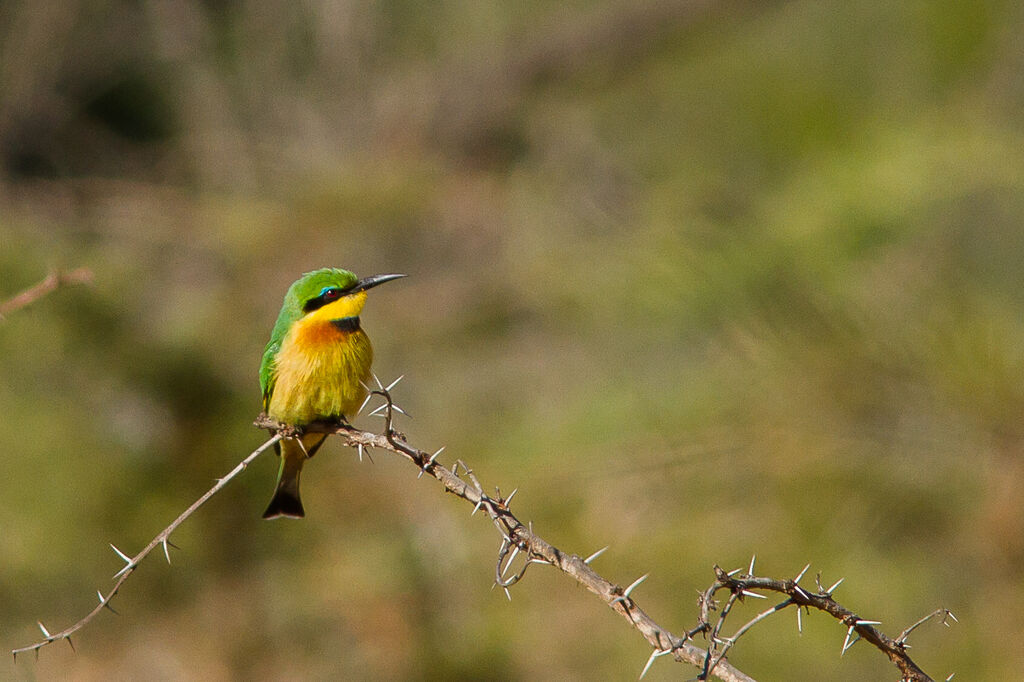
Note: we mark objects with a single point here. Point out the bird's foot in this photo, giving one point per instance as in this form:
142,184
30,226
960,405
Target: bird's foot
289,431
329,423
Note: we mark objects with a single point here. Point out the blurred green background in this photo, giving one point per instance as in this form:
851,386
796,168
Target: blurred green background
702,279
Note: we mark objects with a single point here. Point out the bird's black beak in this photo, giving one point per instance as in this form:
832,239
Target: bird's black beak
370,282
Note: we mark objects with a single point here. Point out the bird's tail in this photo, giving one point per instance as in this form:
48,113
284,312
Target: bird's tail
294,452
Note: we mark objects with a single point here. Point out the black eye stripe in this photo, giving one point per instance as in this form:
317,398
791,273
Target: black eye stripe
329,296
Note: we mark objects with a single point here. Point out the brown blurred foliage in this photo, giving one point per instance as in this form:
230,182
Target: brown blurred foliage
702,279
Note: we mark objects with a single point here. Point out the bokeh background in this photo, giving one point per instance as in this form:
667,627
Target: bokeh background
703,279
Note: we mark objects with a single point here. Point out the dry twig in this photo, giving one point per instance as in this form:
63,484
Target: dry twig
744,585
131,563
53,281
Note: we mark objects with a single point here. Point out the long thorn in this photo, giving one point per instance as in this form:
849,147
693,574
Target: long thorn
797,579
595,555
121,554
394,383
650,662
628,590
511,558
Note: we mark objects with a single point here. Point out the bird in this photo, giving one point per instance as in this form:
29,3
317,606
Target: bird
315,367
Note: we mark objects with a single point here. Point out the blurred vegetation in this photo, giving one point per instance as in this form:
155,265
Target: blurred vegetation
703,279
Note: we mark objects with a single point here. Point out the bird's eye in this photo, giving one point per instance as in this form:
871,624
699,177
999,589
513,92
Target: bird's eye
326,295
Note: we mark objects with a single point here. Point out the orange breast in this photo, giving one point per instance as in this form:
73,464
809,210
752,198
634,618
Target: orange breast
320,371
311,337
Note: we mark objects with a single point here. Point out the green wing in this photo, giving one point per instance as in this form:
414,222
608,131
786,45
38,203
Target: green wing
290,313
268,371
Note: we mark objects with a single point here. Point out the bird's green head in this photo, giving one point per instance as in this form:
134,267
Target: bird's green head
315,289
330,293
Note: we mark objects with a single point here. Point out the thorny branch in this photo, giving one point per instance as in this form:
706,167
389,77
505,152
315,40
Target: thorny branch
131,563
518,538
53,281
743,585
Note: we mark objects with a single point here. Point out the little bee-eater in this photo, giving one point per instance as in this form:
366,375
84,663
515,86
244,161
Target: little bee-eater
316,367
